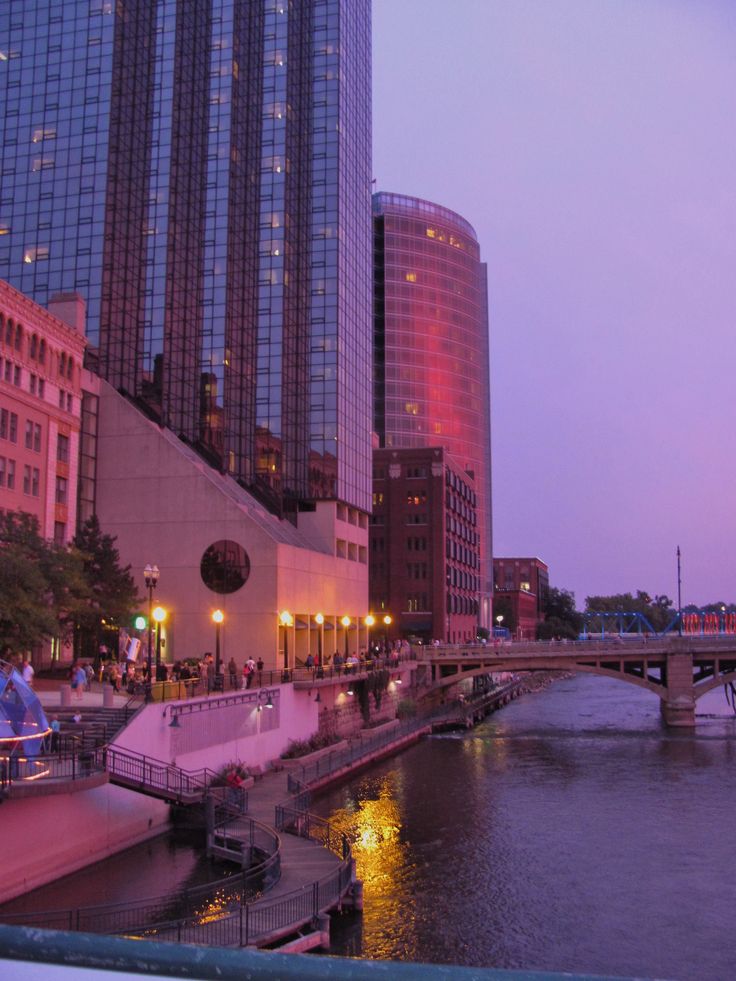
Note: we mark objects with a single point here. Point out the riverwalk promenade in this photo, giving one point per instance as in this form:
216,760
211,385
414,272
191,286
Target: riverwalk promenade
310,868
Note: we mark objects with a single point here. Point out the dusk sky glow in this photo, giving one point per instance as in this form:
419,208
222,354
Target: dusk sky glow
592,146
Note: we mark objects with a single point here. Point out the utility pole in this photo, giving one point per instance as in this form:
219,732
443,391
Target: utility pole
679,594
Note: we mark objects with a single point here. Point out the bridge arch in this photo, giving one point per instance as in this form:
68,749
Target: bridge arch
703,687
656,688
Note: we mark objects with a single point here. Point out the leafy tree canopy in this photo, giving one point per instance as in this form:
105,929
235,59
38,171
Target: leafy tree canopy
51,590
659,610
561,619
113,593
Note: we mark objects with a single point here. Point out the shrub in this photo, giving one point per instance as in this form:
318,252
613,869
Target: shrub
230,773
302,747
406,709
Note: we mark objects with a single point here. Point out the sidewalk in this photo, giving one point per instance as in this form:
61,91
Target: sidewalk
303,861
49,694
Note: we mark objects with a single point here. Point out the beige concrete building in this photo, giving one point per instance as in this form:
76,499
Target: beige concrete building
219,548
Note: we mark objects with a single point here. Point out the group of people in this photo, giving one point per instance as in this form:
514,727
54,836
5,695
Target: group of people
80,678
252,671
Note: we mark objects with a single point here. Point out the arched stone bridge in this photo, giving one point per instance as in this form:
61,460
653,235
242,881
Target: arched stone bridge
676,669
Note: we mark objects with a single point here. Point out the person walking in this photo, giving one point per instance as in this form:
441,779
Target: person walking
232,670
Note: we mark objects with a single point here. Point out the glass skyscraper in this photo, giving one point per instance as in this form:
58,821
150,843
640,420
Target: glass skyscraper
199,170
431,355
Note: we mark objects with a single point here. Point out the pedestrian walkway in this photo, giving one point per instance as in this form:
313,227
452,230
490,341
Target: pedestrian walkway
303,860
49,694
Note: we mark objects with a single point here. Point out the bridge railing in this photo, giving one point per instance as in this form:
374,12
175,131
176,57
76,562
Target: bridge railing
152,775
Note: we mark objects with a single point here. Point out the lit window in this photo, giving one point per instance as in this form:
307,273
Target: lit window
431,233
36,254
412,408
411,277
43,134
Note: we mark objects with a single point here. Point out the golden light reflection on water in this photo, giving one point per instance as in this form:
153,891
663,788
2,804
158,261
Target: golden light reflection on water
383,863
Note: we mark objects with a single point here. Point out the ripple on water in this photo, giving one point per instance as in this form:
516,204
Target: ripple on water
569,832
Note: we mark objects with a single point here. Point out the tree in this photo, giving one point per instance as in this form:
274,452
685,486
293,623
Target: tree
658,611
112,593
42,584
561,619
25,618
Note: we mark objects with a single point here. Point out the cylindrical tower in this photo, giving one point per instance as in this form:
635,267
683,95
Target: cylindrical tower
432,384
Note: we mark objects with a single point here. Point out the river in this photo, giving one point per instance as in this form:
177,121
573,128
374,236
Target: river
569,832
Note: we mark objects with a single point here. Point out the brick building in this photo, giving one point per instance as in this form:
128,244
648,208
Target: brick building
41,373
424,545
520,587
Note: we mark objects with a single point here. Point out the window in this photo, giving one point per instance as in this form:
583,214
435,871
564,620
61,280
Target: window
35,481
8,425
61,490
59,532
2,471
29,434
10,475
32,383
62,449
26,480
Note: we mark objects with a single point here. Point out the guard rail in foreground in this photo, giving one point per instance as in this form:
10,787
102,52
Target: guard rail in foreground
197,903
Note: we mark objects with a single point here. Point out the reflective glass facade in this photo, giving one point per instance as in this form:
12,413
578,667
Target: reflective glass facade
431,344
200,171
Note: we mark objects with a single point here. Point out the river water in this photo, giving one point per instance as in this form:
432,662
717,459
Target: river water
569,832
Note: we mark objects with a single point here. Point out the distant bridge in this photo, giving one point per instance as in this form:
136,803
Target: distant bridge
678,670
695,623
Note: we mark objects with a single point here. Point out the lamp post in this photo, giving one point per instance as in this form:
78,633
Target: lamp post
387,621
286,620
679,594
346,623
319,620
369,621
217,618
150,577
159,615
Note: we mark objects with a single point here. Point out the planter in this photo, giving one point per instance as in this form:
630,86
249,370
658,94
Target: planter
308,758
379,730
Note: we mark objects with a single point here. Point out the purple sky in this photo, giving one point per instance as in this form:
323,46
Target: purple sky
592,145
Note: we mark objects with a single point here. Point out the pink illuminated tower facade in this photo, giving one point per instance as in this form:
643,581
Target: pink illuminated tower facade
431,354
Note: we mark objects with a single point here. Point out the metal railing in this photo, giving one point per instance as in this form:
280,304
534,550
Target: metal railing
61,765
256,922
157,777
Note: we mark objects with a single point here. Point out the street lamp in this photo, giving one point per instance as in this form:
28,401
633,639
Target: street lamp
369,621
319,620
345,621
286,621
387,621
217,618
159,615
150,577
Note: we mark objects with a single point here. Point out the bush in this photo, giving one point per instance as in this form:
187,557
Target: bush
302,747
231,773
406,709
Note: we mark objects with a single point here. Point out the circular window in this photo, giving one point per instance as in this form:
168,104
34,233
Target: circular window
225,567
